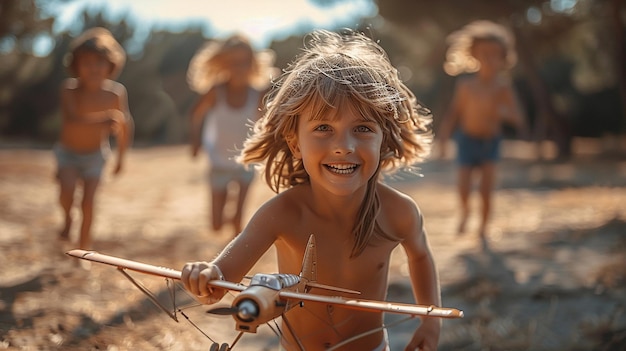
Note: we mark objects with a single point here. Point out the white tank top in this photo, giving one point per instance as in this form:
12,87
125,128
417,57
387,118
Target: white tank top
226,128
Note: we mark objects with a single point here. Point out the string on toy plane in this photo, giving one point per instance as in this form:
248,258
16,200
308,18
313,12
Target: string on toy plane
150,295
171,286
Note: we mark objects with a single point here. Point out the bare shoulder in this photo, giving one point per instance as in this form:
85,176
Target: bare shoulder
463,86
210,95
395,202
399,212
114,87
288,201
207,100
282,210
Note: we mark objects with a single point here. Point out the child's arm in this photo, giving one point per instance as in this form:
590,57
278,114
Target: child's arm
424,279
124,127
198,113
513,112
238,257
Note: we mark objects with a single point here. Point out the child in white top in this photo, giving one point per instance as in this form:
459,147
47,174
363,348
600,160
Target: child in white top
231,77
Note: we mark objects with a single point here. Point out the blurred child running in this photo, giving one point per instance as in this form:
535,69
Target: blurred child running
94,107
337,119
481,104
232,78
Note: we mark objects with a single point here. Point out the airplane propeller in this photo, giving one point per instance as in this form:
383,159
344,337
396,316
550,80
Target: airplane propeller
223,311
246,310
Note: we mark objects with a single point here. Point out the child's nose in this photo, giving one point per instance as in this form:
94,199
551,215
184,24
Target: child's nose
344,144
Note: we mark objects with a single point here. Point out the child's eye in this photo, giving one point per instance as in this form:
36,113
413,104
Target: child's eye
322,128
363,129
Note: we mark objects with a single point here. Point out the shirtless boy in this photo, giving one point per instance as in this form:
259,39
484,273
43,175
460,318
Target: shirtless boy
482,102
94,107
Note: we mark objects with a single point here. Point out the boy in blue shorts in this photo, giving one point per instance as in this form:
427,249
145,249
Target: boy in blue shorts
481,104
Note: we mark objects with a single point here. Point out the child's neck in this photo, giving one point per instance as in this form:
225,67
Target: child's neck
486,77
332,206
236,85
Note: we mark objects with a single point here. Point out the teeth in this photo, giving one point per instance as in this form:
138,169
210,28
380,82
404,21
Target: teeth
342,168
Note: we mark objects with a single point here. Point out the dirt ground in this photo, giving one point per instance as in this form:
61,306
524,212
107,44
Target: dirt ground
551,276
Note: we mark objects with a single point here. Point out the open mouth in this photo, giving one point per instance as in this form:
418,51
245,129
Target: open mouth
344,168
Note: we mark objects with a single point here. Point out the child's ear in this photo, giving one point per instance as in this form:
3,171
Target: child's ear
292,142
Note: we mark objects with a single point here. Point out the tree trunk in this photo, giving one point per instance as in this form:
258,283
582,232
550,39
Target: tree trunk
549,122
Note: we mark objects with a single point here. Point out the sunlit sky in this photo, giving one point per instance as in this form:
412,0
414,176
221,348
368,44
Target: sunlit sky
261,20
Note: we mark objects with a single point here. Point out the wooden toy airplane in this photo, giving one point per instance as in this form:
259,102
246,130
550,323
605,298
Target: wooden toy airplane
269,296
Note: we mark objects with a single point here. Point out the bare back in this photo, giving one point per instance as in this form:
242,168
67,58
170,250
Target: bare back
85,126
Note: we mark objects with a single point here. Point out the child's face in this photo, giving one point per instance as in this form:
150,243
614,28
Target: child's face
491,55
340,152
92,67
239,63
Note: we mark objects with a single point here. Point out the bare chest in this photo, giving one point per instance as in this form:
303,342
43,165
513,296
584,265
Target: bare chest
88,102
483,98
366,272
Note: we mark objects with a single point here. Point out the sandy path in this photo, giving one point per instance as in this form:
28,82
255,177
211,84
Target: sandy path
551,278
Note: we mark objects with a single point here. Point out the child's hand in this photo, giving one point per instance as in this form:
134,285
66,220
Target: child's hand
116,119
195,277
426,337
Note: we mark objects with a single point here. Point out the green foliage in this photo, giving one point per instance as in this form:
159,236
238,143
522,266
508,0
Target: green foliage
574,54
29,105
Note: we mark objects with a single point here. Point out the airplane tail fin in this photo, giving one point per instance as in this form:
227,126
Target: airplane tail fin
308,274
309,262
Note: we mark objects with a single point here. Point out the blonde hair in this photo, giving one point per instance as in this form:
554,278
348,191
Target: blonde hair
207,66
459,56
98,40
332,70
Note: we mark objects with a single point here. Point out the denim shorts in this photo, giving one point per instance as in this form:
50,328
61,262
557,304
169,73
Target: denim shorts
88,166
473,151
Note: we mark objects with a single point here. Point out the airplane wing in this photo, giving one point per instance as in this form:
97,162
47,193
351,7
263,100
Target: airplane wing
145,268
376,306
359,304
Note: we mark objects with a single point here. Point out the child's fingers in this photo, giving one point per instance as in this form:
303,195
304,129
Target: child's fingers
184,277
203,288
189,277
195,277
